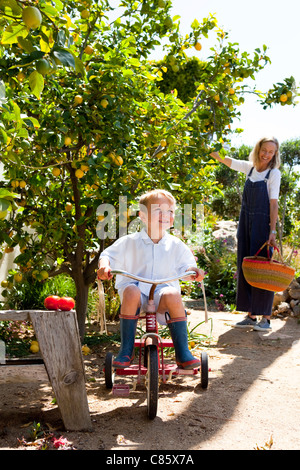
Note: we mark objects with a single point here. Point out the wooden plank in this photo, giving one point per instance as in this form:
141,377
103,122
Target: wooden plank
18,315
29,373
59,342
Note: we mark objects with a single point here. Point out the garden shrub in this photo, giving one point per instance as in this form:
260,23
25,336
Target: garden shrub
219,265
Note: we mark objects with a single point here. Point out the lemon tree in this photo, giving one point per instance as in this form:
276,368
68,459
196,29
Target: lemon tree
87,117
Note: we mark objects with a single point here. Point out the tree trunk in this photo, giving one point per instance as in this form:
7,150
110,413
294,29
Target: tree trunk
82,291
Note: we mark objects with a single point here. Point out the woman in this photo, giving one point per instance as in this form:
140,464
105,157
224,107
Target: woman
257,224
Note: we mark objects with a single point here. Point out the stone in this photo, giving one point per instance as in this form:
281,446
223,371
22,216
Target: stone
295,293
296,309
226,230
280,297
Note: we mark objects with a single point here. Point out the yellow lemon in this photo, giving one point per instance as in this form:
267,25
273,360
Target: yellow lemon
89,50
283,98
85,350
198,46
32,17
78,99
79,173
21,77
104,103
118,160
14,183
56,172
85,14
18,277
34,348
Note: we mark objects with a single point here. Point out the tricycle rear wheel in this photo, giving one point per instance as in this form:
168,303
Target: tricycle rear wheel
204,370
109,370
152,380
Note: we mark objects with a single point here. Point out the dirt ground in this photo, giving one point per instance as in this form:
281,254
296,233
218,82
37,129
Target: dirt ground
252,400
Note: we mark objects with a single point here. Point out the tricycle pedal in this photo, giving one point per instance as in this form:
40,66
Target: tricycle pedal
121,390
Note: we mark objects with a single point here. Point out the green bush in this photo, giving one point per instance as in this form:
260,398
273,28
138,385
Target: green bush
30,293
219,265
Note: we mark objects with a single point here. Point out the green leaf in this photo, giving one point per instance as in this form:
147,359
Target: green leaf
134,62
79,66
36,83
12,4
127,73
195,24
26,44
2,91
3,136
65,57
13,32
4,205
49,10
32,122
5,194
23,133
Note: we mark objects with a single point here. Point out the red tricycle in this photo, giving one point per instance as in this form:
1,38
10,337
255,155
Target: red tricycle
151,362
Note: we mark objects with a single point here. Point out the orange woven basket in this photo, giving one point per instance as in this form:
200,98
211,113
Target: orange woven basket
266,273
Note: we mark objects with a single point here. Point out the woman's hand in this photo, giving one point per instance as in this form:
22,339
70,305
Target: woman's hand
272,239
226,160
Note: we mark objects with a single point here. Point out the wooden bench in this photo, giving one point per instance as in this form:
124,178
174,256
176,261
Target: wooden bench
62,363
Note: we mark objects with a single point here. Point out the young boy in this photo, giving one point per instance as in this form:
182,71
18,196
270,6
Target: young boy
152,254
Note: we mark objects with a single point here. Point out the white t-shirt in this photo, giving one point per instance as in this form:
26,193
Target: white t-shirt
137,254
273,184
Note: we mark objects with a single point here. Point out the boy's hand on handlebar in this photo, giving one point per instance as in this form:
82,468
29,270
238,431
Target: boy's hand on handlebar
199,274
104,273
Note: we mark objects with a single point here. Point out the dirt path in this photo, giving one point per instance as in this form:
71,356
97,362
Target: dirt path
251,401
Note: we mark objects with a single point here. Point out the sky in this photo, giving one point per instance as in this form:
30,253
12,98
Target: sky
273,23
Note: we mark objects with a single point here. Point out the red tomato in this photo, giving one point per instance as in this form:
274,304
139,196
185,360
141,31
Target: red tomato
51,302
66,303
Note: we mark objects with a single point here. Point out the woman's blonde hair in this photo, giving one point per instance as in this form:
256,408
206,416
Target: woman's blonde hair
145,199
275,162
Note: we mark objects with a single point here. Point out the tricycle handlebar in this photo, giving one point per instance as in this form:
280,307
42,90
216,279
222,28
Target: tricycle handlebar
153,281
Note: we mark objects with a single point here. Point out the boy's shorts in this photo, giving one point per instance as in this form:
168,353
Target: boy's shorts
160,316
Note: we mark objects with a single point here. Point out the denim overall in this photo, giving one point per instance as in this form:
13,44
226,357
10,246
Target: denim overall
253,232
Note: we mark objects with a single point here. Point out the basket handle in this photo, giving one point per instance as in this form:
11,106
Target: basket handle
268,250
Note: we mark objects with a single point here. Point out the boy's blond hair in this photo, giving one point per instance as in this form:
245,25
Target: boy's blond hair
145,199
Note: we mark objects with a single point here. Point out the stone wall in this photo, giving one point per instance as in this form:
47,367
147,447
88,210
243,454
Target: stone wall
288,302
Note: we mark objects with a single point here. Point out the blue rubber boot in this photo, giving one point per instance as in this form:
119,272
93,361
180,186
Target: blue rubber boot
184,357
126,353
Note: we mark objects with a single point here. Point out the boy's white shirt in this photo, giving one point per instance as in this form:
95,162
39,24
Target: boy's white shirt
273,184
137,254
